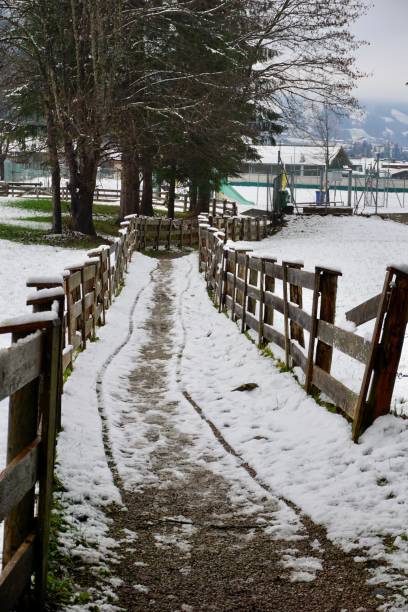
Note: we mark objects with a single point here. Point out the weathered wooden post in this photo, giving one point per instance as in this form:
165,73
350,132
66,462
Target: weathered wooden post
42,301
253,281
286,313
244,270
269,287
296,297
328,294
48,410
388,339
313,332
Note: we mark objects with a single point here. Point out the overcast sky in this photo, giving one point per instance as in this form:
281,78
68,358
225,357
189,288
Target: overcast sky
385,27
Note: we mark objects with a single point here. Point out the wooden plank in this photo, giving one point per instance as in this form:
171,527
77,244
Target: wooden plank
251,321
273,335
341,395
351,344
16,575
76,341
89,273
286,313
301,278
18,478
76,310
20,364
89,299
388,352
364,312
66,359
275,301
328,296
255,264
89,327
253,292
238,310
240,284
274,270
298,357
73,281
300,317
49,398
241,258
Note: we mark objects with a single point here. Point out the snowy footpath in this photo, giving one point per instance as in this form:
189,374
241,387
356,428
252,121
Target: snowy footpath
185,494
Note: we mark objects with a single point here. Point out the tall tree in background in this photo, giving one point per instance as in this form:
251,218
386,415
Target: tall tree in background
176,88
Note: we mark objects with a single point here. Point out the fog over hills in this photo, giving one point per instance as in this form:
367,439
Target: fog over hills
380,122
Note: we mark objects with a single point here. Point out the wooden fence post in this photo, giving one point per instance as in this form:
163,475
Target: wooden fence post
269,285
328,294
296,297
253,280
286,313
234,285
313,332
221,281
41,304
244,295
388,340
48,410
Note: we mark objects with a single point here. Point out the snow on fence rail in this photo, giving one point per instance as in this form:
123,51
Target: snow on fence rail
245,286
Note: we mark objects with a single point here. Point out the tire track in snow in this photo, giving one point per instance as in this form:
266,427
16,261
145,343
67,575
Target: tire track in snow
201,413
107,445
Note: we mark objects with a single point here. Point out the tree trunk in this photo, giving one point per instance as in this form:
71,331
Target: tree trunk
147,194
83,165
129,193
204,194
55,174
2,168
172,193
193,190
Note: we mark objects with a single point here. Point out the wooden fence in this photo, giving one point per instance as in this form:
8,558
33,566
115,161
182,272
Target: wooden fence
268,298
153,232
67,310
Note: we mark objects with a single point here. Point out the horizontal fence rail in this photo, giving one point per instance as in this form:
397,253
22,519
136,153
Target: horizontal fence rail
267,297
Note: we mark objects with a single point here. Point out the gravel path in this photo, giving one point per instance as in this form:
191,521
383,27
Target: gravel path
200,533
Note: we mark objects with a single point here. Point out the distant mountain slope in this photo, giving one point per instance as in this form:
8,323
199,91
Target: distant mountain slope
382,122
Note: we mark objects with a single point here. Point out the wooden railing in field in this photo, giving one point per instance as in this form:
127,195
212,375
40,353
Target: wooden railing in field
67,310
246,287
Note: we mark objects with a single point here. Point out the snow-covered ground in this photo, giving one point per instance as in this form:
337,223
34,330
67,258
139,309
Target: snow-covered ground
359,492
391,202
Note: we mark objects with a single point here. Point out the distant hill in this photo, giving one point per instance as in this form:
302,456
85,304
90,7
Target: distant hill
382,122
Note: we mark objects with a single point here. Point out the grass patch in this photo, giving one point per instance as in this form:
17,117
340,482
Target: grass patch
40,205
68,373
26,235
61,589
45,205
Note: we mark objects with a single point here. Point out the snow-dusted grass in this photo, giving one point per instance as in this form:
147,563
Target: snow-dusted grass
358,492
